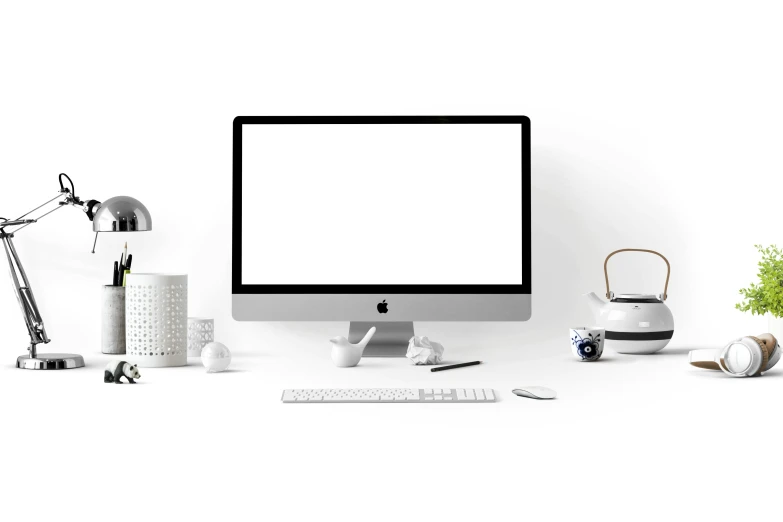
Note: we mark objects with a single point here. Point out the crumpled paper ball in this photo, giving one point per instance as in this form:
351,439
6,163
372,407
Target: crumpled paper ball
423,351
215,357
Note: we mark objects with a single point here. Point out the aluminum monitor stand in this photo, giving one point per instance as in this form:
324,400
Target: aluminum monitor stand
390,339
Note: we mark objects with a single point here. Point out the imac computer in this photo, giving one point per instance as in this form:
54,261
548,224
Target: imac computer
381,221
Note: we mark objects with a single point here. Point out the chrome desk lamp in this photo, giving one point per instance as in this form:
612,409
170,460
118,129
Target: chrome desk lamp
118,214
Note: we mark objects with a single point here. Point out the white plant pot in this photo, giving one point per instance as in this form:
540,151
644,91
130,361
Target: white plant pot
775,326
156,319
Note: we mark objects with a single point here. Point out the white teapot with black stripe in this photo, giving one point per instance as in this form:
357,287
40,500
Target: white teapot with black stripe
634,323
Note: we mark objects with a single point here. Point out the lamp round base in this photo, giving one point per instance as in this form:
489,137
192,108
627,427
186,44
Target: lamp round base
50,361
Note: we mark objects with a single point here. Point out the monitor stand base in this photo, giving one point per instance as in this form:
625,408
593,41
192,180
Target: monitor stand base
390,339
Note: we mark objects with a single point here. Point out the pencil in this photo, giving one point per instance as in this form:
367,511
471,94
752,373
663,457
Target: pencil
452,366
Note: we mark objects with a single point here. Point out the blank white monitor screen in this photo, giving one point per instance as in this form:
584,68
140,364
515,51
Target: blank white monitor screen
360,204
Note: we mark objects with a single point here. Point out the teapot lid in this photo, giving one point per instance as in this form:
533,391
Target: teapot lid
636,298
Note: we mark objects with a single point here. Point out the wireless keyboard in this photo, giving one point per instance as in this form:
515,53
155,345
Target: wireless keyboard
390,395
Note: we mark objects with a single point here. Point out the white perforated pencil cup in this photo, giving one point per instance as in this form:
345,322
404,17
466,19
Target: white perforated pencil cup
156,319
200,333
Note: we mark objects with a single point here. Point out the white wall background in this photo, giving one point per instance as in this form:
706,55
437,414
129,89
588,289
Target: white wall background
654,127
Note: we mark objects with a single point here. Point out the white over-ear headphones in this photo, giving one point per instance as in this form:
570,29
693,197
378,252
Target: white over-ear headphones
744,357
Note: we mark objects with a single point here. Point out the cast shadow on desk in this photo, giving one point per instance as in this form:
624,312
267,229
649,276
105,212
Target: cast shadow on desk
670,351
194,365
610,359
442,363
717,374
253,354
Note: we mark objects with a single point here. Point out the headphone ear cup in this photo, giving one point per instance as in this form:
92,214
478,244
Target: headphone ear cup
744,357
764,355
773,348
771,339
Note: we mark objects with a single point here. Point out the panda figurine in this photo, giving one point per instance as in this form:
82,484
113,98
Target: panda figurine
116,370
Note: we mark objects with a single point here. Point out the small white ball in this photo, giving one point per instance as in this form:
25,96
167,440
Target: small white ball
215,357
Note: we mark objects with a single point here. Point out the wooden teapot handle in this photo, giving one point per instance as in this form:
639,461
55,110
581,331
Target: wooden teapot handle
668,268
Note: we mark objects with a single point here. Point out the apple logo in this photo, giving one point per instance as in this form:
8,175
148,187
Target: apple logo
383,307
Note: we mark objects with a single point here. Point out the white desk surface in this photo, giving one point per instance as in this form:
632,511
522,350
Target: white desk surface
629,438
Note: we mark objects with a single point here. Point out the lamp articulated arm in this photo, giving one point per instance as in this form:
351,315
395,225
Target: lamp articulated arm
22,288
90,207
24,295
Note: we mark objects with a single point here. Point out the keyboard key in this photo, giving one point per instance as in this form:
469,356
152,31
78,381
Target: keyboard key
470,395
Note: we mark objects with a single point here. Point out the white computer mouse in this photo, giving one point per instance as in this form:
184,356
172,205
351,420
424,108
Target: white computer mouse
535,392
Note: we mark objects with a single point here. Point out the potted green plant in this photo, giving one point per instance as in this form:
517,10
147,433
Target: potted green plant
766,296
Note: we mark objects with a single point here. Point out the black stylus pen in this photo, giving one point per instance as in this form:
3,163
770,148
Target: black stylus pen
452,366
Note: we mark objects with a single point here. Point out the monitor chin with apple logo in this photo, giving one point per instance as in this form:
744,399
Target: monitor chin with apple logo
381,220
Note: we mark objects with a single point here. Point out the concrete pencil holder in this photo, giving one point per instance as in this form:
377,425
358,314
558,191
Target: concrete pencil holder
113,320
156,319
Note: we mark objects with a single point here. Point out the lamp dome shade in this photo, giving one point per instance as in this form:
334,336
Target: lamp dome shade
122,214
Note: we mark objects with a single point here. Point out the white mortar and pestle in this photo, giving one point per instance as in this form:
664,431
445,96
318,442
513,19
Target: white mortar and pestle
345,354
